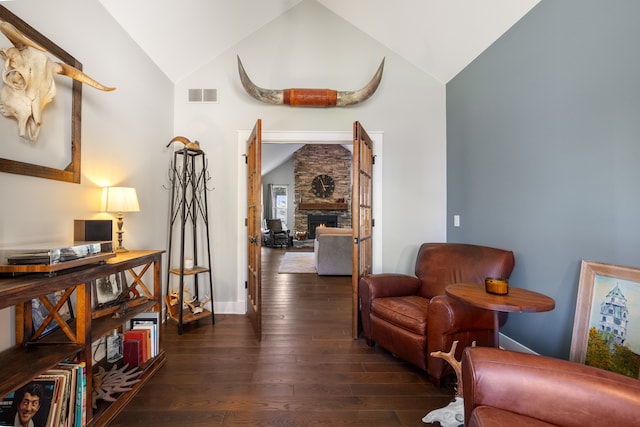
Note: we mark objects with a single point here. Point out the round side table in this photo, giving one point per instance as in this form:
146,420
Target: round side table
516,301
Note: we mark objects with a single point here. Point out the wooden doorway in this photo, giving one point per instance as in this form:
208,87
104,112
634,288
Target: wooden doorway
361,216
254,234
309,137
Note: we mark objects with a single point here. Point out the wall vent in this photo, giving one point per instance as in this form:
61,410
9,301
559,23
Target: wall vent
203,95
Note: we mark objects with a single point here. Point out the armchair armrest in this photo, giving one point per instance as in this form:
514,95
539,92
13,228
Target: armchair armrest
374,286
551,390
388,285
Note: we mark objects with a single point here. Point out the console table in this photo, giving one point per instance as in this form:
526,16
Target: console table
33,355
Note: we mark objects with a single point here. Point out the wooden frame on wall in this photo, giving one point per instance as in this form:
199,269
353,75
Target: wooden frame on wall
70,173
607,312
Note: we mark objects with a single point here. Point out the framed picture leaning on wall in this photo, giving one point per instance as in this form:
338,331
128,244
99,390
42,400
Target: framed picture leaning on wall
606,328
107,290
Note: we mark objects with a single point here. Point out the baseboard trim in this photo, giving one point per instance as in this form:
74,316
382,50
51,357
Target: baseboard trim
230,307
507,343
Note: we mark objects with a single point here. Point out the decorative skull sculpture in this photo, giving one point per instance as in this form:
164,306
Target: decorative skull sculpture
28,81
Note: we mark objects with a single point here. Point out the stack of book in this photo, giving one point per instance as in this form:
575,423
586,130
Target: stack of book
142,340
55,398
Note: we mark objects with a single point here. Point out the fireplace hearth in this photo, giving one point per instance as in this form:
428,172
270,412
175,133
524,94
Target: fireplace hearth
315,221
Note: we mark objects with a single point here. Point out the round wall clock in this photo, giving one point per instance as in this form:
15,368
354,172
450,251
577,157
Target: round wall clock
323,186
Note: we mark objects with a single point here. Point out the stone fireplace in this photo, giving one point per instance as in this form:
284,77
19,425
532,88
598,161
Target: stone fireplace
315,221
317,159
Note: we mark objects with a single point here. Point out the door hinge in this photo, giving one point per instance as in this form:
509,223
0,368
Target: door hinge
246,222
373,160
246,158
373,222
246,284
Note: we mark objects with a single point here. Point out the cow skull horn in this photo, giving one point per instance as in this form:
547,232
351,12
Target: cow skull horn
69,71
20,41
17,38
310,97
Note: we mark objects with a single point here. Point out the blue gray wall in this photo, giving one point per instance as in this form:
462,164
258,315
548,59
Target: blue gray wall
543,141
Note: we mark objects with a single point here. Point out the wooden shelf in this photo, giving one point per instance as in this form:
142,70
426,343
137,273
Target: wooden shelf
28,359
189,272
323,206
187,316
52,268
110,310
102,326
107,411
25,287
20,364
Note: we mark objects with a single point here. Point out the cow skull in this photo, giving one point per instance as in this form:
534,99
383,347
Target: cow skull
28,81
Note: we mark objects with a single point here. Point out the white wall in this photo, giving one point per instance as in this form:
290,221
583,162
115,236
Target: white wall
124,134
311,47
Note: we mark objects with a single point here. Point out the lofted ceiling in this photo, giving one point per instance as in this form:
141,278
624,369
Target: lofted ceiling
440,37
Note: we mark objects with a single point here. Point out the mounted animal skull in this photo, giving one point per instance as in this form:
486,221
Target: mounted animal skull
310,97
29,84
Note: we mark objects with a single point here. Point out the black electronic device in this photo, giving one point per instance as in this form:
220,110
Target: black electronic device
94,230
91,230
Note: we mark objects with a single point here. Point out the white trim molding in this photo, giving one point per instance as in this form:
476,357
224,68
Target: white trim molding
305,137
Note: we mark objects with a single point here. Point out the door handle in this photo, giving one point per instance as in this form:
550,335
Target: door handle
253,239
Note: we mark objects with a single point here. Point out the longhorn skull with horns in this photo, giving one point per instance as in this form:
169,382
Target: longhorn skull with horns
29,84
310,97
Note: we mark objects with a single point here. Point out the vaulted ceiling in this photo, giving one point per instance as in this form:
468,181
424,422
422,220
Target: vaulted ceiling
440,37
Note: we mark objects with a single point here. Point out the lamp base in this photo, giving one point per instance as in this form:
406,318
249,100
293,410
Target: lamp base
120,248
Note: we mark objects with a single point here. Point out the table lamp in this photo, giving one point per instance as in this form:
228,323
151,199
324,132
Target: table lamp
119,200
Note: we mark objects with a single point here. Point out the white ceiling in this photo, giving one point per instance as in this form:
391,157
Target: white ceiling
440,37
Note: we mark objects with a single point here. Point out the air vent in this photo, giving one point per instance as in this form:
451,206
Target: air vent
203,95
195,95
209,95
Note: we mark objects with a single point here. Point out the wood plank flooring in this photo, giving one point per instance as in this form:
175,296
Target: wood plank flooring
306,371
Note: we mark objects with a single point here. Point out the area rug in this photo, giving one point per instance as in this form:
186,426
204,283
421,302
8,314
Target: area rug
297,262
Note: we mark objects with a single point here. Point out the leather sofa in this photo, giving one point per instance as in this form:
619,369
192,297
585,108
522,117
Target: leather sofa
411,316
332,249
505,388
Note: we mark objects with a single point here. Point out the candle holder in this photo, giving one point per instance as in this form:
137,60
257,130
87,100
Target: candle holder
496,286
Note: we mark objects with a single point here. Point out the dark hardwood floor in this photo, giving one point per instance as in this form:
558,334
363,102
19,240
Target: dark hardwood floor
306,371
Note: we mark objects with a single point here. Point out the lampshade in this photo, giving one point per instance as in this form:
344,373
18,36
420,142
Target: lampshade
120,199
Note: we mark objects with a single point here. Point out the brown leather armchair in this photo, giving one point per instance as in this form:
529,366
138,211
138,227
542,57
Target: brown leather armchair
505,388
412,317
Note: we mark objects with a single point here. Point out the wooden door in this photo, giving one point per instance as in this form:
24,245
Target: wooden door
254,234
361,215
